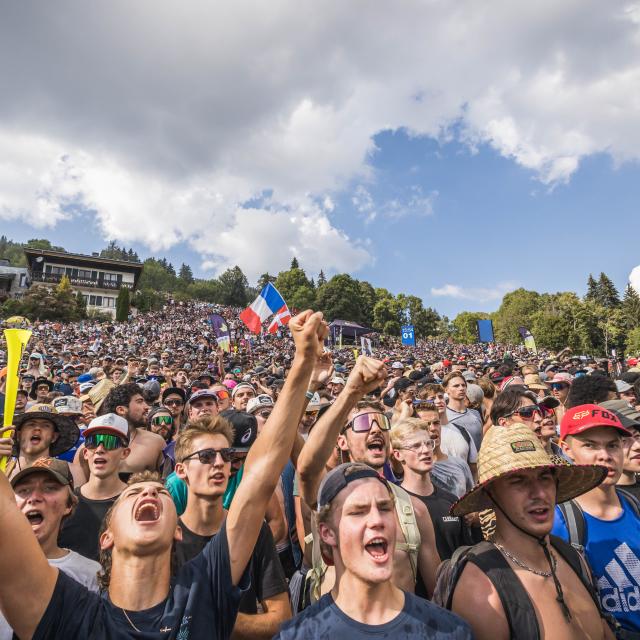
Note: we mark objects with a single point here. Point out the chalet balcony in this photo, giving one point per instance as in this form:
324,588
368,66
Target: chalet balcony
97,283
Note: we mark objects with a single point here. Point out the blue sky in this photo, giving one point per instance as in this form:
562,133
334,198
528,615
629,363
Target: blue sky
454,151
491,223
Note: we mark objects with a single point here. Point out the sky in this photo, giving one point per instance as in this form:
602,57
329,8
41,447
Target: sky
454,151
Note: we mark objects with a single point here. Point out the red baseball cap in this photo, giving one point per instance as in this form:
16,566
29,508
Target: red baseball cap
589,416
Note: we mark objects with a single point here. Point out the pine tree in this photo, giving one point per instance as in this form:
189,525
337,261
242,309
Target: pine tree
593,292
122,305
294,263
631,308
186,275
321,279
609,296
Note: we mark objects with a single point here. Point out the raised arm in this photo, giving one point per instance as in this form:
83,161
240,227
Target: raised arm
270,453
367,374
27,581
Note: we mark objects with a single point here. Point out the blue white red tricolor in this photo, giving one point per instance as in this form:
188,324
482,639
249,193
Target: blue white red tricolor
264,306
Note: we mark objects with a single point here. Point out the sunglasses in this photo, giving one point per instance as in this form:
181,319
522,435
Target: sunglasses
173,403
559,386
363,422
546,411
162,420
264,414
108,441
209,456
528,412
222,395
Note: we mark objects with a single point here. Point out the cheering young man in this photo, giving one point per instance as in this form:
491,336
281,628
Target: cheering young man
357,528
136,544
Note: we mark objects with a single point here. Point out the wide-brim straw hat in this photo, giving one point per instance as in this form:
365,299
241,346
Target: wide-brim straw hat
99,392
533,381
68,431
510,449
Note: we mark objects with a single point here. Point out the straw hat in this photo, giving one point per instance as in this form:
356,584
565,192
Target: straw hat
533,381
99,392
506,450
68,431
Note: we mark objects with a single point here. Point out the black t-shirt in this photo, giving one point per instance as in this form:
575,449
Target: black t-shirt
633,489
267,575
451,531
201,603
418,619
80,531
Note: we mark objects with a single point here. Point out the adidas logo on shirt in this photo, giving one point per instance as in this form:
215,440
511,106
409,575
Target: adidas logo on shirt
620,589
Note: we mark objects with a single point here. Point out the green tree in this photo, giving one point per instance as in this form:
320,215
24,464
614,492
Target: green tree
515,311
339,298
631,307
633,341
295,288
294,263
387,314
609,296
147,299
233,287
122,305
367,301
263,280
593,292
465,326
321,278
206,290
157,276
185,274
42,243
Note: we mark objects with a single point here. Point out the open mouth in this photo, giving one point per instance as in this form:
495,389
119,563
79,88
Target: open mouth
34,517
377,549
35,439
218,477
99,462
539,513
377,445
147,511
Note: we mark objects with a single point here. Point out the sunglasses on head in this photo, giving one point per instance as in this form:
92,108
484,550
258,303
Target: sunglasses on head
363,422
209,456
162,420
107,440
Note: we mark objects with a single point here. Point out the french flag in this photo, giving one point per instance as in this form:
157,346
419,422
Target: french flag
280,319
265,305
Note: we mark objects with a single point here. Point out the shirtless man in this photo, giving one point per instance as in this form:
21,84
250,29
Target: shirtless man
146,447
519,480
362,431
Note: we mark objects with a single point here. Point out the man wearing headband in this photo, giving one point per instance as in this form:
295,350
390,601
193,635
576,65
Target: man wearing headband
357,530
501,580
106,445
361,430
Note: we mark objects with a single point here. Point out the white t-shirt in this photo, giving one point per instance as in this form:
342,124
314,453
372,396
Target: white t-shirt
453,443
81,569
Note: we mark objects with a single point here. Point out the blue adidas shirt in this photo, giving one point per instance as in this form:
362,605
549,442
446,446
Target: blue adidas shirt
613,550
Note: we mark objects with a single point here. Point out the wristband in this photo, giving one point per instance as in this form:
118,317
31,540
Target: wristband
309,394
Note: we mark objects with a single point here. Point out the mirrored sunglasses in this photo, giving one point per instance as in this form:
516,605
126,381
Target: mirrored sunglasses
162,420
107,440
364,422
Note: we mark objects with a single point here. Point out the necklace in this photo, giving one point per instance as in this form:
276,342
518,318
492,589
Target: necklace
522,565
129,620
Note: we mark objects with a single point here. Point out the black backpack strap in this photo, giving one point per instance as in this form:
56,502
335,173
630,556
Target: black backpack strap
631,499
465,434
576,525
518,608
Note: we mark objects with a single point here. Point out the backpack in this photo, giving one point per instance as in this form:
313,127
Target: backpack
576,523
407,519
517,605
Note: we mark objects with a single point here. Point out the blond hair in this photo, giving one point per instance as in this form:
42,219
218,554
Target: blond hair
405,428
206,425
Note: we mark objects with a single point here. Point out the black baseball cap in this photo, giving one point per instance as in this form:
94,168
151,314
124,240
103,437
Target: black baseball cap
245,428
337,479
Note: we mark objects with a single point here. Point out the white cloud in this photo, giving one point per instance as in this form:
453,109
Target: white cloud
634,278
165,118
479,294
